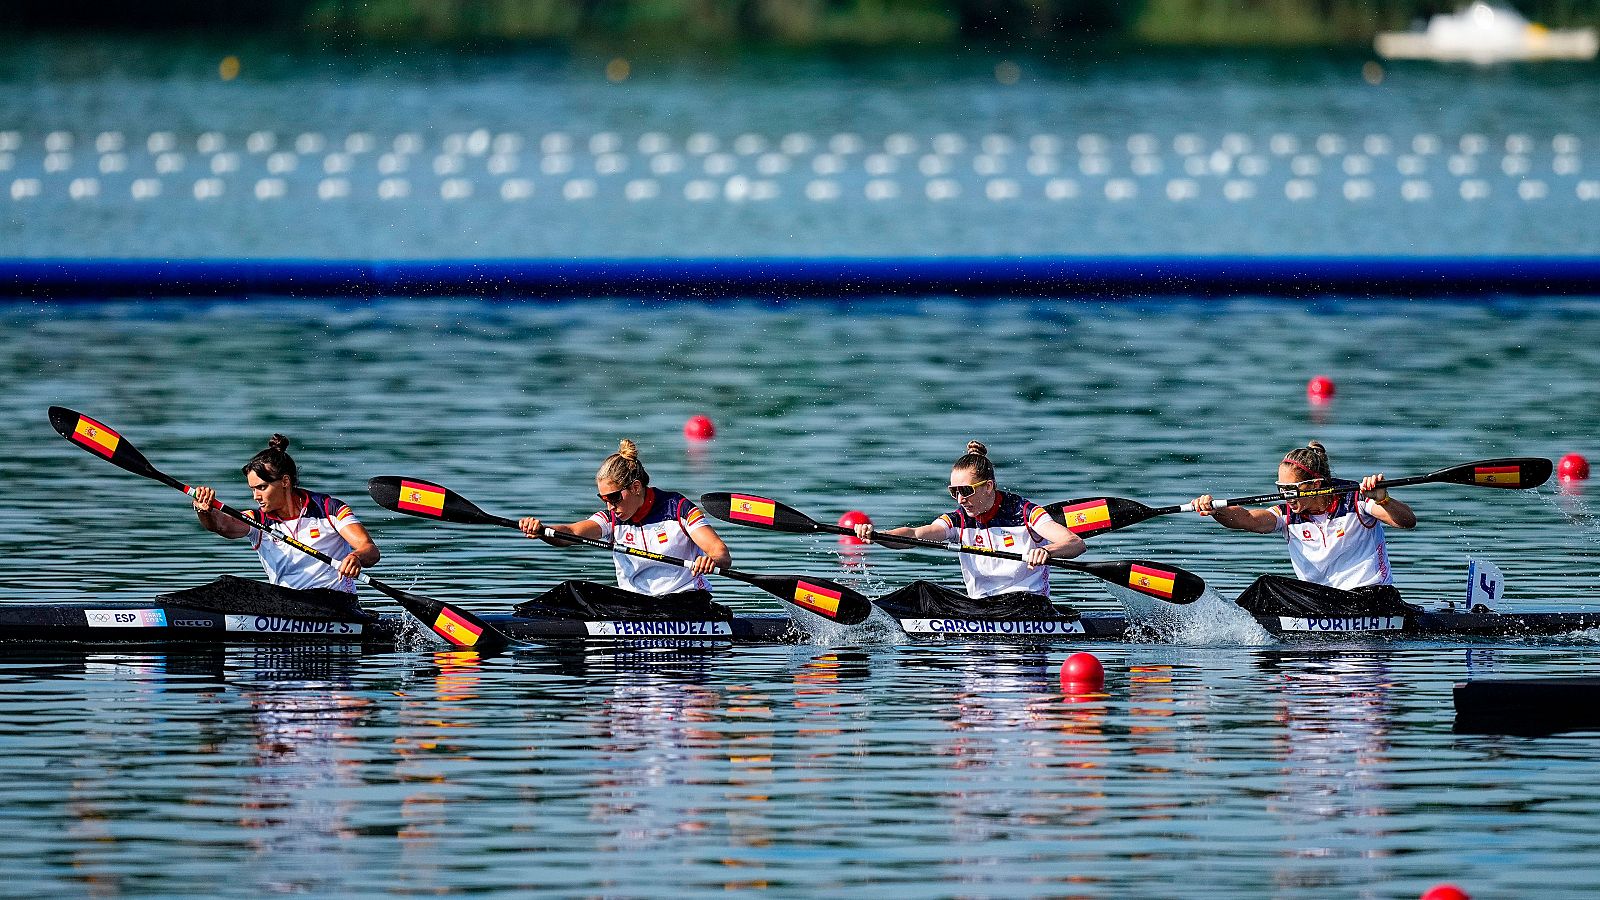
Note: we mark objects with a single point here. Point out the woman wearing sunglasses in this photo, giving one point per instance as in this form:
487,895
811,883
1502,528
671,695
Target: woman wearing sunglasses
1336,541
641,517
989,518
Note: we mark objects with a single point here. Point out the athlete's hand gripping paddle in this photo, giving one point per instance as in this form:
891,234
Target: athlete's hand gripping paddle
428,500
453,623
1090,516
1160,580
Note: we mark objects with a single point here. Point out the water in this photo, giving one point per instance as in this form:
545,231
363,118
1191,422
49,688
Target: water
1217,763
1221,764
139,149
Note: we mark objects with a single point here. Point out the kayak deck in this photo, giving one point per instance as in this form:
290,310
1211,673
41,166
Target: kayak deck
159,622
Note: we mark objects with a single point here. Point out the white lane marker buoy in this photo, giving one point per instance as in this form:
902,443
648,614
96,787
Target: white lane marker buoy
822,190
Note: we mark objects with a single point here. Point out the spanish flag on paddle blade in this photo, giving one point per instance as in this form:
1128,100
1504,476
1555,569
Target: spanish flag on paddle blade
1087,517
96,437
421,497
455,629
817,599
1503,476
1155,582
744,508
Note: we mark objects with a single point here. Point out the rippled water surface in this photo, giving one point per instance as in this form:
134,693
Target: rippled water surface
1218,764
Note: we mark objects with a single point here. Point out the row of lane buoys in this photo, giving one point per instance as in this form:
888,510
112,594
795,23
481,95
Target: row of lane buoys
483,142
1214,164
741,188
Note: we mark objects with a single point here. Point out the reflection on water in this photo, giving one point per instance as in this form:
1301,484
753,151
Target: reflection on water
1213,759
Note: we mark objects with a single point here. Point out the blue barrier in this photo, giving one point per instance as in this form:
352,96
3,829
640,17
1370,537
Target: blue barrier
1101,278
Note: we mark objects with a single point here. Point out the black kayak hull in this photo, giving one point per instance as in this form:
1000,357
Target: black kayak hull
158,622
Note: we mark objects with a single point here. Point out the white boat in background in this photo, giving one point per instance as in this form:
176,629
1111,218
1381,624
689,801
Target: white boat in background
1486,33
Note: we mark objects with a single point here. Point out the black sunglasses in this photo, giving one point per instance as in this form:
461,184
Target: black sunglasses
613,497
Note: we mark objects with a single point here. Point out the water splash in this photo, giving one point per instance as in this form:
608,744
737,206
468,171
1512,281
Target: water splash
1212,621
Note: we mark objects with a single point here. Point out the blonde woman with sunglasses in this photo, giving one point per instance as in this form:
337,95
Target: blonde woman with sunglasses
639,516
1336,540
998,520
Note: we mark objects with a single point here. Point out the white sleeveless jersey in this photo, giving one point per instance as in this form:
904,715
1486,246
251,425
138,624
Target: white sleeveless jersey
662,525
1342,548
1010,530
318,526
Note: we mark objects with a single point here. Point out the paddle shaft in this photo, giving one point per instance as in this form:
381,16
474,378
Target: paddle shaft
445,620
1294,495
889,540
549,532
1092,516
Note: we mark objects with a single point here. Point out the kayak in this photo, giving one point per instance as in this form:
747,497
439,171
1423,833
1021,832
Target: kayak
179,619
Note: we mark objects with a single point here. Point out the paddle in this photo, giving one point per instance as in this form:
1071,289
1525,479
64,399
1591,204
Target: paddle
428,500
456,625
1159,580
1093,515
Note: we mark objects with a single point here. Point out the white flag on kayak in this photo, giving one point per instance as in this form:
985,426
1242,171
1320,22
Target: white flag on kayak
1485,585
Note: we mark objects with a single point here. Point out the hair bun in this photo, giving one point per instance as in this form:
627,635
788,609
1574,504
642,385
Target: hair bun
1317,446
977,447
627,449
278,442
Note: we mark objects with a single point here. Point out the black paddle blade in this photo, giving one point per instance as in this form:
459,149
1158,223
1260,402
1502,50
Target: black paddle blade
102,441
760,512
1159,580
416,497
1508,472
828,599
1096,515
457,626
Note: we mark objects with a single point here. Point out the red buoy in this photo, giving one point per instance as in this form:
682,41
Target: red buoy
1573,467
850,520
1319,389
699,428
1444,892
1082,671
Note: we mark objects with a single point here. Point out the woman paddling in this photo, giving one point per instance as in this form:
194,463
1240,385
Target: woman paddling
315,519
990,518
638,516
1336,542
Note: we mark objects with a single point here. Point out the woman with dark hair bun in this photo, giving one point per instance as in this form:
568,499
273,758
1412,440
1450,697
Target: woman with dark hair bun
318,520
1336,540
985,517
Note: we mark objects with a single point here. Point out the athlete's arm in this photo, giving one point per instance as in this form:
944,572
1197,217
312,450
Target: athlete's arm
531,526
1239,518
363,552
1389,510
213,520
1063,543
716,552
937,530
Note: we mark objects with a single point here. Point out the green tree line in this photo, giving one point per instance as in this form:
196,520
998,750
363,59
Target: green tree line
793,23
